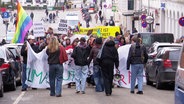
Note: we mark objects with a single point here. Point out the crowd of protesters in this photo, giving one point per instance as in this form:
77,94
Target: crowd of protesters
103,52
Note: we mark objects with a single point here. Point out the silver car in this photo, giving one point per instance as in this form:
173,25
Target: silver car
162,68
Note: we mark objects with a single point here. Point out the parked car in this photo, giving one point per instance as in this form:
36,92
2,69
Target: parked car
16,50
179,81
149,38
1,82
11,73
162,68
156,46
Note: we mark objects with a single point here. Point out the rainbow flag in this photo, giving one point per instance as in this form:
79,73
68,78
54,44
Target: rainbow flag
24,23
99,33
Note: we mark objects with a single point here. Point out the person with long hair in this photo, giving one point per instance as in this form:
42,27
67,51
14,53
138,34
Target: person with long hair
55,68
137,58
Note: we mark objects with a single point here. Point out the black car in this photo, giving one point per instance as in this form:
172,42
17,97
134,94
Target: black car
150,37
162,68
1,82
11,72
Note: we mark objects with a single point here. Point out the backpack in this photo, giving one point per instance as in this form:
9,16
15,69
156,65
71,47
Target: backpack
63,57
138,52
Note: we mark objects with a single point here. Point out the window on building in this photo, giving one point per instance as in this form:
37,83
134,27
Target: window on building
44,1
130,4
29,1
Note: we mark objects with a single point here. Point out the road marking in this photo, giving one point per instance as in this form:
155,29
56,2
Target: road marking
19,98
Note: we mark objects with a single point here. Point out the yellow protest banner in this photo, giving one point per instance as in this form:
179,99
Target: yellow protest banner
105,31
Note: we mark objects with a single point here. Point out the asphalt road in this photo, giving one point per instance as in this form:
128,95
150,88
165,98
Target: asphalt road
119,96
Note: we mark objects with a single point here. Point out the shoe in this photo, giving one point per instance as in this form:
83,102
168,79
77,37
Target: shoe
77,92
132,92
83,92
48,88
108,94
69,86
58,95
52,95
34,88
24,89
140,92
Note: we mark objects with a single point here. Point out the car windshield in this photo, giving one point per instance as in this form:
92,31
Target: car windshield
162,38
174,55
13,51
146,40
2,53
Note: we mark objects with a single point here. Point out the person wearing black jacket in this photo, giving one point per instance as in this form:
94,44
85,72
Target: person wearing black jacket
80,55
24,54
137,57
109,58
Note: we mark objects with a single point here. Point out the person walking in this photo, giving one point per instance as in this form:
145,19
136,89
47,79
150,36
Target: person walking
80,55
32,15
96,17
50,17
111,22
24,48
109,58
55,67
101,19
137,57
54,17
46,12
97,74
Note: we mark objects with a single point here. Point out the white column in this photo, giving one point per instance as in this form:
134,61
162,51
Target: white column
166,21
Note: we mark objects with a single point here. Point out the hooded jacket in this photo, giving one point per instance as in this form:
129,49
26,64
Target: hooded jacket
109,52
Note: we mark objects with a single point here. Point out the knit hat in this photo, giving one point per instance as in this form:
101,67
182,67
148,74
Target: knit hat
83,39
98,40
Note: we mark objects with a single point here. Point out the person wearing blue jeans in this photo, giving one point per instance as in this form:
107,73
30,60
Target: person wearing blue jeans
55,79
137,72
55,67
24,55
97,74
24,86
137,57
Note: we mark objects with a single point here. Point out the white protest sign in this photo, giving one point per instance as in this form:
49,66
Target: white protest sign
63,27
38,29
38,68
125,74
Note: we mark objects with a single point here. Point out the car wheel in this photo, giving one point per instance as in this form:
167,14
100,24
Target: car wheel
158,83
20,80
14,85
148,82
1,90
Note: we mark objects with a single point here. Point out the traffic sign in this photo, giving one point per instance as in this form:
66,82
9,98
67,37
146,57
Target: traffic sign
181,21
149,19
144,24
143,17
5,15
